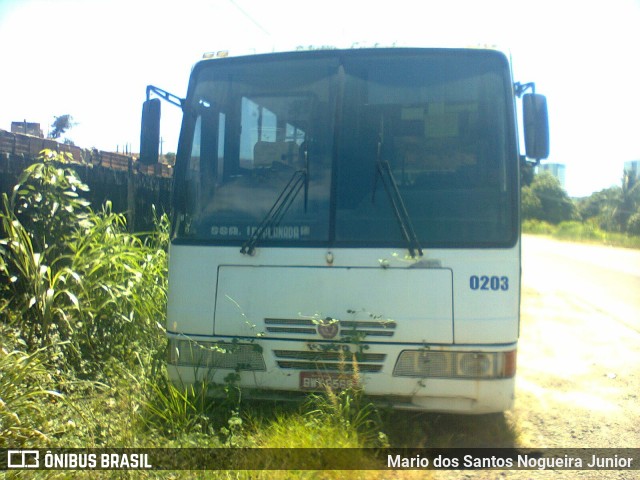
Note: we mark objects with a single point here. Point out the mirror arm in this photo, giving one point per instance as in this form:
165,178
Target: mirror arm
521,88
534,162
163,94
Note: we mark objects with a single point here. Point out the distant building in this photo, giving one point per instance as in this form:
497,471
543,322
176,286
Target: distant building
633,167
27,128
555,169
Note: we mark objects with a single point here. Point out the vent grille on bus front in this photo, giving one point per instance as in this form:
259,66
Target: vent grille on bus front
308,326
329,361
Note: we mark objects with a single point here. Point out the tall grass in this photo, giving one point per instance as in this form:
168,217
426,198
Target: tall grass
86,301
349,410
24,382
78,282
581,232
175,411
121,284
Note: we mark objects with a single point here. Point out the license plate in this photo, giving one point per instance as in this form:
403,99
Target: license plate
322,380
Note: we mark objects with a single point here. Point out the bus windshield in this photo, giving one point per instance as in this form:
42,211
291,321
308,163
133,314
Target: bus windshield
439,120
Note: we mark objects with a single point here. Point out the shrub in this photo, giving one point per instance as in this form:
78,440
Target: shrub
23,380
78,282
633,225
545,199
537,227
578,231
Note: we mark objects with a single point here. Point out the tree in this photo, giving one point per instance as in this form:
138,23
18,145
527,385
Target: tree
170,158
595,204
615,208
530,204
633,225
546,200
61,124
629,200
527,172
600,207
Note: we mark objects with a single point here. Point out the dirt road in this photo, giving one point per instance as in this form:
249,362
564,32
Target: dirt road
579,358
578,380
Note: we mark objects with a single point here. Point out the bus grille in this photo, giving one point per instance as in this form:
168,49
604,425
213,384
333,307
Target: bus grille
329,361
308,326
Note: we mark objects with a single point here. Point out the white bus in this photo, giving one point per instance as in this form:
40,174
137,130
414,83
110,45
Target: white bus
350,214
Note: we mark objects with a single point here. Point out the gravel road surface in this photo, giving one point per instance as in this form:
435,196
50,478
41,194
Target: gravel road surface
578,381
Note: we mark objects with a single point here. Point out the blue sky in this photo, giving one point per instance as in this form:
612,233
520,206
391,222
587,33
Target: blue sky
93,59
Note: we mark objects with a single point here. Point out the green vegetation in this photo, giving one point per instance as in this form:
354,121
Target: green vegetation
610,216
581,232
61,124
78,284
545,200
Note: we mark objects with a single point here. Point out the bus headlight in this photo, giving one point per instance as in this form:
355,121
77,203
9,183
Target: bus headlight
446,364
476,365
235,356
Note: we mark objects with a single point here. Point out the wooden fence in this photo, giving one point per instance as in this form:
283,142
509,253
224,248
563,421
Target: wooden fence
132,187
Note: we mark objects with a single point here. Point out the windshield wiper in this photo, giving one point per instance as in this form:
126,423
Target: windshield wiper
383,171
298,180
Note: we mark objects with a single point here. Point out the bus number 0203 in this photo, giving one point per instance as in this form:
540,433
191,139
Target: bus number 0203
485,282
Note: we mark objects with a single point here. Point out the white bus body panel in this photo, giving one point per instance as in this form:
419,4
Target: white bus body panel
479,316
419,301
220,294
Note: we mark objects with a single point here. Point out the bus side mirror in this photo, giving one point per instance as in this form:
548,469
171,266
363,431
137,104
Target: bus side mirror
536,126
150,131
